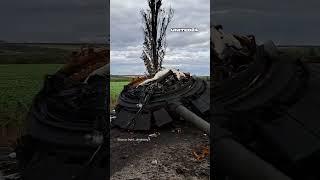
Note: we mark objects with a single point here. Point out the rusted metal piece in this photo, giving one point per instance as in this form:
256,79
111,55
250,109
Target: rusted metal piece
137,80
201,152
94,58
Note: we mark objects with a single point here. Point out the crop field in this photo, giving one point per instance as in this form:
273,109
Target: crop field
115,89
22,70
18,84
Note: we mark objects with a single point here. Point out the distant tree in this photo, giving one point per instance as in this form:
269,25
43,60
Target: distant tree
155,24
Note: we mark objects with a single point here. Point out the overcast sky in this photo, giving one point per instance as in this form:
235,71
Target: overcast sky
187,51
54,20
293,22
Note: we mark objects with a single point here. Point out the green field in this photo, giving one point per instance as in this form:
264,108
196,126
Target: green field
22,71
115,89
24,66
18,84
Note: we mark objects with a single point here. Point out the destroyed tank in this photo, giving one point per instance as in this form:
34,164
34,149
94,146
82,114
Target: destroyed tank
159,101
66,127
265,111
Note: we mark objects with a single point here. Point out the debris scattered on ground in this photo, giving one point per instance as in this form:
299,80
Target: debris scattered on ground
177,130
154,162
159,158
154,135
201,152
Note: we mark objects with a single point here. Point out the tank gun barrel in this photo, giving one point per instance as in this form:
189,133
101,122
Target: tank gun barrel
235,159
188,115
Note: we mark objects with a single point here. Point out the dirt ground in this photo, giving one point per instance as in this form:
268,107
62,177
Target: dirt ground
168,155
156,155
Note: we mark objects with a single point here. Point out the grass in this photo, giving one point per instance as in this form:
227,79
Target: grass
19,83
23,68
115,88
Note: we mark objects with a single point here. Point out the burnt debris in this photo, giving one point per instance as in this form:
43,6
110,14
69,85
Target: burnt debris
66,127
147,105
264,110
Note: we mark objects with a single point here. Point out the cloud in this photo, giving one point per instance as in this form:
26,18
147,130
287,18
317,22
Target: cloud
188,51
54,21
285,22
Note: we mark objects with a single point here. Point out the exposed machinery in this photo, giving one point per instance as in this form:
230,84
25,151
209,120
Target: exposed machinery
159,101
265,115
66,128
